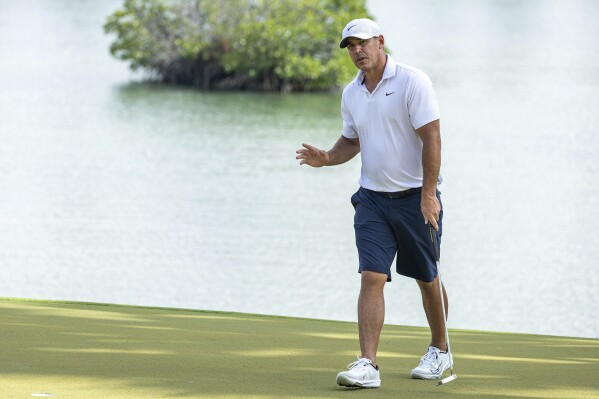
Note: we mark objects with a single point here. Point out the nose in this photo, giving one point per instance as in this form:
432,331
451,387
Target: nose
357,48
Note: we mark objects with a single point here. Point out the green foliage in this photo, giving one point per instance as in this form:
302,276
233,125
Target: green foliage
276,45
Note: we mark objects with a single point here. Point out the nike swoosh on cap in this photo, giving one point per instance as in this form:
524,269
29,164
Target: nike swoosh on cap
352,27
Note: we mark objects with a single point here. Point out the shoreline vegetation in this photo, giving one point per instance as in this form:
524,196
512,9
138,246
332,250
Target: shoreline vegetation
257,45
75,349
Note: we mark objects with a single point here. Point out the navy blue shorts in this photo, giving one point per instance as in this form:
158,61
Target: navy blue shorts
388,228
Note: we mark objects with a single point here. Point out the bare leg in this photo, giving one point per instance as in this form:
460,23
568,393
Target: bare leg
371,313
431,300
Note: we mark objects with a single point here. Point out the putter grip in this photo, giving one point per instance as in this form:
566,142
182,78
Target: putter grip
434,235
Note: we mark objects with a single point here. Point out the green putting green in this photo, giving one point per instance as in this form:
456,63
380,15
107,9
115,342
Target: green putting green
82,350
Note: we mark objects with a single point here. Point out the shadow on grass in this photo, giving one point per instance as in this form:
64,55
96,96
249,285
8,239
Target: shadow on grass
93,350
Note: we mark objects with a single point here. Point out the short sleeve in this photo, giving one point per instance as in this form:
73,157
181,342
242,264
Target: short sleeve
423,105
349,128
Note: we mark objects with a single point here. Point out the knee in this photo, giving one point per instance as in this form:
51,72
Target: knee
428,285
373,280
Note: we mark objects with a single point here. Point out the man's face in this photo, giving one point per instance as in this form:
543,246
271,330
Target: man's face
365,53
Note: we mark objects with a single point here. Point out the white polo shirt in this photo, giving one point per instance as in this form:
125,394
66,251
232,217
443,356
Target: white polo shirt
385,121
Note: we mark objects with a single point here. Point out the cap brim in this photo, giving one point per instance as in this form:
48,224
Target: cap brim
343,43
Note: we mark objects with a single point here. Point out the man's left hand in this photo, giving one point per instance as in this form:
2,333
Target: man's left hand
431,209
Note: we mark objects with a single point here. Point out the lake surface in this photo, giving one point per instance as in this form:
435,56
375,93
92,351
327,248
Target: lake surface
115,190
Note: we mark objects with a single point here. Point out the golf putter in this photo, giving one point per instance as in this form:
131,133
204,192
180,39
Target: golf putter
436,251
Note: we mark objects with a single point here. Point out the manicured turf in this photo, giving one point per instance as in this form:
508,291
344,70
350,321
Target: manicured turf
78,350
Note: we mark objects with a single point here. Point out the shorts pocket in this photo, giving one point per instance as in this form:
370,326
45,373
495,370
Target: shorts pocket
355,199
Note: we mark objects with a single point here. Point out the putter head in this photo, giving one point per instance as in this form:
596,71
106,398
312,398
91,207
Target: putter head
447,379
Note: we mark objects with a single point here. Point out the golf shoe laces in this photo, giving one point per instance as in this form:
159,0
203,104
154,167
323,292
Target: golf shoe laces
431,358
360,363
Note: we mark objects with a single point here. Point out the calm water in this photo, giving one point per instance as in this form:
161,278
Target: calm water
114,190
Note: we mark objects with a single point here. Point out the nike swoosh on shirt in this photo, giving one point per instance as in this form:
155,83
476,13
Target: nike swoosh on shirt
388,94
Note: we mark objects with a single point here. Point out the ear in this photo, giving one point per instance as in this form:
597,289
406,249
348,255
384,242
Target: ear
381,40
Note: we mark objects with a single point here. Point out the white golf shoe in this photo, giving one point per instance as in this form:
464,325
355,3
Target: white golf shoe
360,374
432,364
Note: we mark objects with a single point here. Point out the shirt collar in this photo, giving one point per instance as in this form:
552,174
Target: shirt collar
389,72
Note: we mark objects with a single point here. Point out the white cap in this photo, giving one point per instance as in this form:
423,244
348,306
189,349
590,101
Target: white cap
361,28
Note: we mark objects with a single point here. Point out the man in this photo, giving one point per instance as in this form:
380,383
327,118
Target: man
391,116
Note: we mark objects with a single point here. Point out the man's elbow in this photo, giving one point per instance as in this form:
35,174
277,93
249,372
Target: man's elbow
430,133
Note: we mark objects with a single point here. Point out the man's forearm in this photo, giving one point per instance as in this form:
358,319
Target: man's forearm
431,156
343,150
431,165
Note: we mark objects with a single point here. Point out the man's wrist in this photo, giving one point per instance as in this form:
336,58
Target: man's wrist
328,162
429,192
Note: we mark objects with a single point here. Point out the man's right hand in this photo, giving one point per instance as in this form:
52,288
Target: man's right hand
312,156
